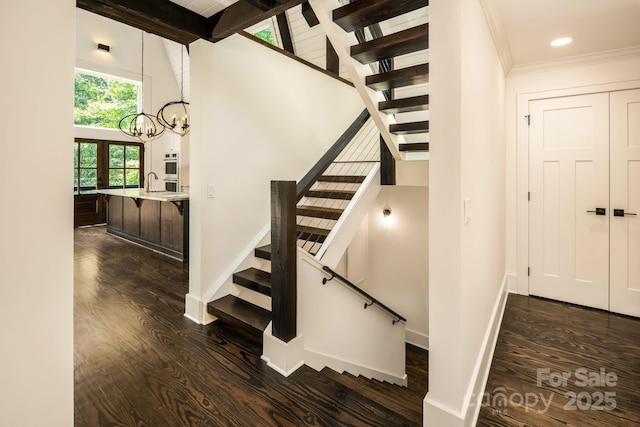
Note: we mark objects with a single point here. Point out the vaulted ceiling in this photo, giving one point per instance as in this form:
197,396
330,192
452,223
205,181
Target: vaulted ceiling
176,22
522,29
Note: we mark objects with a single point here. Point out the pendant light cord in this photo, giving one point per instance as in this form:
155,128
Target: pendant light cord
142,73
181,72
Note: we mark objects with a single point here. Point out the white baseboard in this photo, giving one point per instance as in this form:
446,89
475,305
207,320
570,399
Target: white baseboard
318,361
417,338
283,357
194,309
437,414
483,363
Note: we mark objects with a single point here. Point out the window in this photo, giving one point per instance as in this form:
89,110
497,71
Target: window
266,30
124,166
106,164
266,35
85,167
102,100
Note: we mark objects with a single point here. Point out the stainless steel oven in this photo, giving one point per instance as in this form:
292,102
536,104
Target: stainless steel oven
171,165
171,171
170,185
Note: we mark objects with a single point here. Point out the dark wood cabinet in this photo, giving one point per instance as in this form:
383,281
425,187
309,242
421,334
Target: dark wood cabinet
150,221
159,225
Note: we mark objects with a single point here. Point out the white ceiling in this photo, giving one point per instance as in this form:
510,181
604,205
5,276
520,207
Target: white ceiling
528,26
205,7
523,29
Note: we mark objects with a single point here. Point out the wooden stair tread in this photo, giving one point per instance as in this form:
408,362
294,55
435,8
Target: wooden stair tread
263,252
239,312
396,44
351,179
402,77
404,105
331,194
320,212
363,13
315,234
254,279
414,146
409,128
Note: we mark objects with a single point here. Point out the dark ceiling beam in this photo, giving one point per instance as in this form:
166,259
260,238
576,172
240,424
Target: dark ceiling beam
160,17
285,32
244,14
262,4
309,15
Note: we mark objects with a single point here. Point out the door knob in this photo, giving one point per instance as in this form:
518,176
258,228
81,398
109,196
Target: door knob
621,212
599,211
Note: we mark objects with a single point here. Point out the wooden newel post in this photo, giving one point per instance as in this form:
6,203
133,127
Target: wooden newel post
284,295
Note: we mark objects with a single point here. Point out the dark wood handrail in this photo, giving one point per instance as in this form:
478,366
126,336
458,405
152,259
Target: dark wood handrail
318,169
372,301
294,57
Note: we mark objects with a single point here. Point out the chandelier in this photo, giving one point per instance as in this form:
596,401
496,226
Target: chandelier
141,126
174,116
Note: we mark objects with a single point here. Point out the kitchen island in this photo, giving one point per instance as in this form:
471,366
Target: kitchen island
157,220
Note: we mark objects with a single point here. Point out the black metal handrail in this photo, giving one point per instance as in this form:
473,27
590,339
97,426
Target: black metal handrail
372,300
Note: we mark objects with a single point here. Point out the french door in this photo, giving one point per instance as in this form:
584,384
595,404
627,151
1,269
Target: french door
103,164
585,189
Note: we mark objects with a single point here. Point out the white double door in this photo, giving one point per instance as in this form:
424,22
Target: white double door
584,209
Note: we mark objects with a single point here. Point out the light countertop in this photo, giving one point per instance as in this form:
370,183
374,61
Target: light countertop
140,193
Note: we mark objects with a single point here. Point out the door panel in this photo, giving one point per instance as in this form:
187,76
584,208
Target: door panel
569,175
625,194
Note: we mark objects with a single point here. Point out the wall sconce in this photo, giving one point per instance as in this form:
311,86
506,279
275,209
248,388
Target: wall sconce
386,212
104,47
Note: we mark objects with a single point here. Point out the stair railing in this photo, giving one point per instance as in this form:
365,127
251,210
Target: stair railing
369,299
347,164
284,235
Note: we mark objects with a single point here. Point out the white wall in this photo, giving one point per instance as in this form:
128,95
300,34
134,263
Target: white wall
36,214
605,71
124,60
468,162
396,249
257,116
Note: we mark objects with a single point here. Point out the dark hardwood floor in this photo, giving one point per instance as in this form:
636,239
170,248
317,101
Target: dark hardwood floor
140,362
598,352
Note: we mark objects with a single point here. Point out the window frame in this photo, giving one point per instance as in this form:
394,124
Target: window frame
103,167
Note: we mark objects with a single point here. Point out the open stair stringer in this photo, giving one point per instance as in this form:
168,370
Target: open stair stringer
342,42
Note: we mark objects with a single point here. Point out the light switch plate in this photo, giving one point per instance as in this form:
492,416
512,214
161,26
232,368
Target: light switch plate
211,191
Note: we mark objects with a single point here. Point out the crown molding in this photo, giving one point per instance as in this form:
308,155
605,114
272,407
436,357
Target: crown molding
498,33
578,60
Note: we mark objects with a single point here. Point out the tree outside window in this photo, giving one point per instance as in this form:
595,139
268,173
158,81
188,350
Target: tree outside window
101,101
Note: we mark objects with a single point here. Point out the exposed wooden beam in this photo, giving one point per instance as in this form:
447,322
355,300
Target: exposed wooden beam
243,14
333,62
309,15
161,17
262,4
285,33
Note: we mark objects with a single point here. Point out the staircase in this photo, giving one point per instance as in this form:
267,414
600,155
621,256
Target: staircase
317,208
406,49
318,211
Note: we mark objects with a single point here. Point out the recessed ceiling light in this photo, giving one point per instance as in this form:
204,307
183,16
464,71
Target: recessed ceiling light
563,41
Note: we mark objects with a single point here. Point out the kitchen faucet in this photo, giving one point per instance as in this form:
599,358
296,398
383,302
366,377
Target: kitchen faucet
147,184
